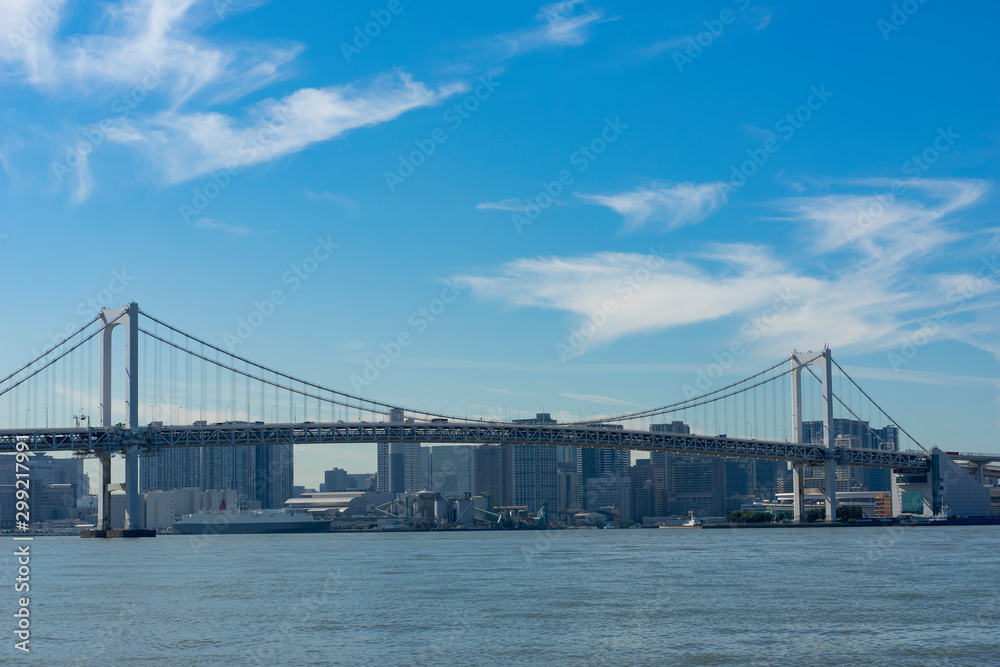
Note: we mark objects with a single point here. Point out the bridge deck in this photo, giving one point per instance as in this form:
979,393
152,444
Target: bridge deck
151,439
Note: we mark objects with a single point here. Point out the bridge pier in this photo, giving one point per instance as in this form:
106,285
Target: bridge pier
129,317
800,361
132,518
798,490
830,490
104,494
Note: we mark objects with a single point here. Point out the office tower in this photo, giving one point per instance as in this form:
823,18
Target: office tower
535,477
170,468
452,470
493,473
649,496
697,483
534,468
274,474
335,480
399,468
855,435
70,471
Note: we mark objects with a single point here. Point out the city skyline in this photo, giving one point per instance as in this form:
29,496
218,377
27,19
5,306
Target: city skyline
587,162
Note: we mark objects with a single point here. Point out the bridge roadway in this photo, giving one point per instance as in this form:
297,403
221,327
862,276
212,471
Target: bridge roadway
94,441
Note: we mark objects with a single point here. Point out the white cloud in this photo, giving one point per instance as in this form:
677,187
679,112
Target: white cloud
496,390
143,41
515,205
335,197
560,24
870,301
887,223
85,184
602,400
671,204
209,223
656,49
187,145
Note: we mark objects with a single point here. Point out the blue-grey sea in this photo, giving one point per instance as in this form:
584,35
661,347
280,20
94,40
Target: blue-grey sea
865,596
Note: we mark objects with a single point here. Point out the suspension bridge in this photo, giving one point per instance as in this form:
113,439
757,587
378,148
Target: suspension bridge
183,391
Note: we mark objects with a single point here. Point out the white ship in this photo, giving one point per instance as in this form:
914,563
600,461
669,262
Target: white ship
254,522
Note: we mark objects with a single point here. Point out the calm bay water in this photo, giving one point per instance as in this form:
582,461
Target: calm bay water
872,596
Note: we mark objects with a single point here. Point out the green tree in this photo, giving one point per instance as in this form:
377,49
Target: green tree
850,513
816,514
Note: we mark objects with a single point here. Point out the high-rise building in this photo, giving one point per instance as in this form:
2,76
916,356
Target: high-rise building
399,463
649,485
70,471
534,467
856,435
399,468
452,469
566,481
698,484
535,480
171,468
274,475
334,480
261,475
360,481
493,473
611,492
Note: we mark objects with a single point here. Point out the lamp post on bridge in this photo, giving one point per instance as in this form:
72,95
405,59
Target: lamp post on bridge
26,412
225,414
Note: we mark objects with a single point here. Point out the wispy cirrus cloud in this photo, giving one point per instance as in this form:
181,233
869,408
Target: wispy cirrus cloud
559,24
892,220
601,400
209,223
139,38
869,300
672,205
502,205
187,145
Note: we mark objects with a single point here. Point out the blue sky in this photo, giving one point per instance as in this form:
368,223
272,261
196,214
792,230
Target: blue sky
667,172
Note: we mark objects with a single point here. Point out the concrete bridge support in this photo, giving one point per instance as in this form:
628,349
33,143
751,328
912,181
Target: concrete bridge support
129,317
823,359
798,490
